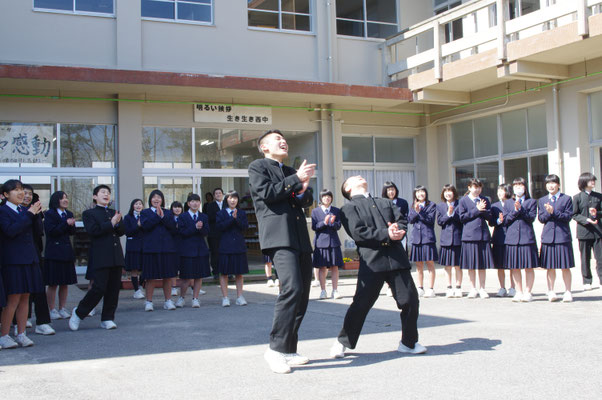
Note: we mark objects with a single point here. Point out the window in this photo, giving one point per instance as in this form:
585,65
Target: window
454,29
166,147
488,173
524,129
368,149
77,6
288,15
358,149
595,115
87,146
462,140
179,10
367,18
518,8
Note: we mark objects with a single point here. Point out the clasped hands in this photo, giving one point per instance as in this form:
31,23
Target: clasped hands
394,232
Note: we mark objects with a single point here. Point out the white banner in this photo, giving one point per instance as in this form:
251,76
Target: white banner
22,143
226,114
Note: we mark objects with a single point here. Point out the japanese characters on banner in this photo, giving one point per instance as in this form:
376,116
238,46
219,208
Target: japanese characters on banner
227,114
21,143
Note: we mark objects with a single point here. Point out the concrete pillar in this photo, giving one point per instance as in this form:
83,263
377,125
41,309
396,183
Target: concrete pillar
129,150
129,34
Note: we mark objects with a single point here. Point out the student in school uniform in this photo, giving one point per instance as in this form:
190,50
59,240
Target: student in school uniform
326,222
555,212
21,274
587,211
208,200
159,252
214,234
193,228
59,258
451,239
231,221
475,212
521,246
133,245
176,209
422,216
390,191
504,192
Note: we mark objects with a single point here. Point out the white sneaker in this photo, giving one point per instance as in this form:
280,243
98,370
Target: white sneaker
108,325
92,313
337,350
28,324
174,291
54,314
518,297
23,341
552,296
277,361
196,303
420,292
169,305
270,283
449,293
295,359
64,313
180,302
138,294
483,294
323,295
472,294
202,292
567,297
527,297
6,342
587,286
336,295
511,292
418,348
74,321
315,283
44,329
389,292
148,306
429,293
225,302
277,282
458,293
501,293
240,301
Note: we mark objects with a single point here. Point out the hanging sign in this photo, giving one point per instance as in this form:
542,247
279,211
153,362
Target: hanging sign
20,143
226,114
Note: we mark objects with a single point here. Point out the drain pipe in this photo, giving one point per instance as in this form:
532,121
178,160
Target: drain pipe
334,155
329,47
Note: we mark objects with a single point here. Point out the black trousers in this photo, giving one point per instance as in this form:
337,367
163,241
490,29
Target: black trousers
214,250
107,283
294,272
369,285
585,248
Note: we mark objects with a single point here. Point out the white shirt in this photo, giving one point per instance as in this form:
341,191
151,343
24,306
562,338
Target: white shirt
521,199
192,214
154,209
453,212
220,204
13,206
557,195
366,195
325,209
473,198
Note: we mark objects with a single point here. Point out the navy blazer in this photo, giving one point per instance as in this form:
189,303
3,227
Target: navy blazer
58,243
134,233
404,208
211,210
451,227
157,237
556,227
519,224
192,242
475,222
326,235
424,224
18,247
499,231
232,229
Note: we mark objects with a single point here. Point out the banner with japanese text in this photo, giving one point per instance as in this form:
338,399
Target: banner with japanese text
23,143
227,114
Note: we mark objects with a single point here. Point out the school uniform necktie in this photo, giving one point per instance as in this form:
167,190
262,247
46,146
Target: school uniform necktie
476,201
553,199
64,216
520,201
194,217
20,209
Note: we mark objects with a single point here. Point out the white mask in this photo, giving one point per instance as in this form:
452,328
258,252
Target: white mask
519,191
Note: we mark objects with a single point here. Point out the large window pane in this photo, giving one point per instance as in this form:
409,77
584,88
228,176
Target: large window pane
263,4
350,9
462,140
595,113
538,135
301,146
297,6
517,168
381,10
463,175
296,22
225,148
158,9
80,189
350,28
381,30
357,149
173,188
88,146
263,19
27,145
394,150
166,147
514,131
539,170
194,12
485,135
99,6
66,5
488,173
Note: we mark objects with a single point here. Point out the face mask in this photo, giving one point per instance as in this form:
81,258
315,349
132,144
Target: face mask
519,191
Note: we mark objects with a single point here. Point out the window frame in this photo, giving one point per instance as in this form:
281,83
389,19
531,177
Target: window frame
280,13
74,11
365,22
374,163
181,21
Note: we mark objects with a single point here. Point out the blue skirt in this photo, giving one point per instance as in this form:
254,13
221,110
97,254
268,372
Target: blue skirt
499,261
19,279
194,267
159,265
327,257
521,256
133,261
450,256
233,264
557,256
424,252
58,273
476,255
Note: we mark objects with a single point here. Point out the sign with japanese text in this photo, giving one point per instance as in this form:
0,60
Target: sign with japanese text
21,143
226,114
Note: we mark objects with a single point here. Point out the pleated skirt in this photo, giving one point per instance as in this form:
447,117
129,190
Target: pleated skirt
499,260
159,265
233,264
58,273
521,256
557,256
19,279
133,261
194,267
424,252
327,257
476,255
450,256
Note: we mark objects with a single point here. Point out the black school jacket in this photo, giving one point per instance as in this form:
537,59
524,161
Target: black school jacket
366,221
582,202
105,246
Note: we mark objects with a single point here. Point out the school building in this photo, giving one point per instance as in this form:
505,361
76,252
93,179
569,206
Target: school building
172,94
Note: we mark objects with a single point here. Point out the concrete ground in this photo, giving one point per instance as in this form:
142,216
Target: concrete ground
477,349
